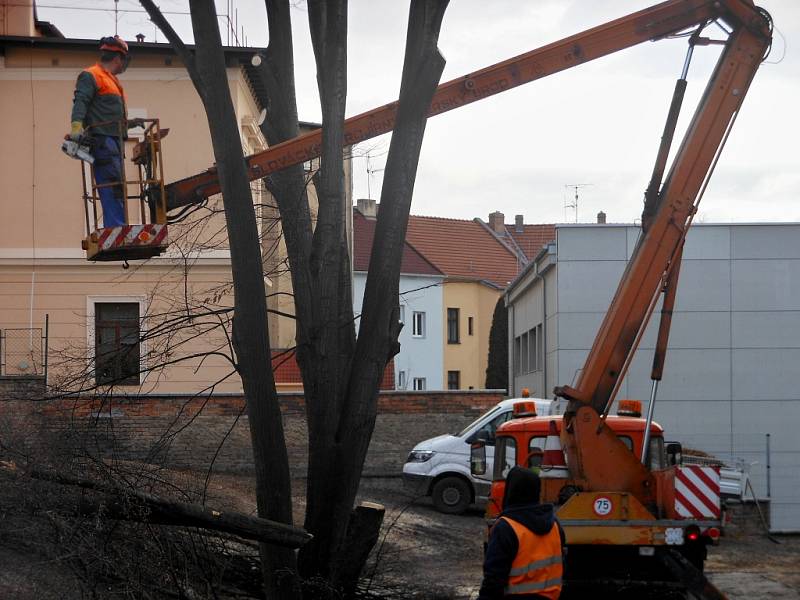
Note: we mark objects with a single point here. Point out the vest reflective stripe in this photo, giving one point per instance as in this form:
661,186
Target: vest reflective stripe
537,567
537,586
545,562
107,83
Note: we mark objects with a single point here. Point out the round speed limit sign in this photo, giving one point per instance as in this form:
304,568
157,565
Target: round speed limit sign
602,506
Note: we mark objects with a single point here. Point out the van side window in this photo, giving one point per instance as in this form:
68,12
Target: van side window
491,427
535,451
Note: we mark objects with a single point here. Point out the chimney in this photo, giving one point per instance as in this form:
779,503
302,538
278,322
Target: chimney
140,37
16,18
519,221
497,222
367,207
601,217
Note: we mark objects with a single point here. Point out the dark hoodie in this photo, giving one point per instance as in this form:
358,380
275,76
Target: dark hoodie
520,503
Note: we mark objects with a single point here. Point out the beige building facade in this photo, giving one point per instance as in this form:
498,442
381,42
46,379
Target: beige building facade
96,306
468,308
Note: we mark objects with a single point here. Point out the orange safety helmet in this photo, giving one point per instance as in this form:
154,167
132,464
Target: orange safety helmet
114,44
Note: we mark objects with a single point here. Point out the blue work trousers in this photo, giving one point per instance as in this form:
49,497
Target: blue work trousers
108,169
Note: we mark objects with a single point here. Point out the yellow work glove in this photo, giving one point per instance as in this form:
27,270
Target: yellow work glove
77,131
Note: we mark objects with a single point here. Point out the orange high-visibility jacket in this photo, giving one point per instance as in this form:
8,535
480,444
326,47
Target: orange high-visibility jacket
537,567
99,98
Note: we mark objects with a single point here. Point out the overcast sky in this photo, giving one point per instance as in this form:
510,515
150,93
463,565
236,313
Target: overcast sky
597,124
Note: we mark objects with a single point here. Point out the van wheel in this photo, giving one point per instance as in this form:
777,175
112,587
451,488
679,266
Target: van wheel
451,495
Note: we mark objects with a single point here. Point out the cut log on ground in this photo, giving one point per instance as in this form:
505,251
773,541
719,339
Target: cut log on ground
133,505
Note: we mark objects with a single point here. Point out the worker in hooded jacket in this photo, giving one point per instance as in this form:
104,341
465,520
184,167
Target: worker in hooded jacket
99,109
524,554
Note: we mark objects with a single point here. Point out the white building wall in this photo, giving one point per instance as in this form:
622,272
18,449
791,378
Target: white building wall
419,357
730,374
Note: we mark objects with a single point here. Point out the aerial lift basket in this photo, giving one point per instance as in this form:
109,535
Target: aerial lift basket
134,240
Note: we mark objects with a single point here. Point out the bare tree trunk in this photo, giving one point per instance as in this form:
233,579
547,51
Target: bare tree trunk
341,378
380,327
207,69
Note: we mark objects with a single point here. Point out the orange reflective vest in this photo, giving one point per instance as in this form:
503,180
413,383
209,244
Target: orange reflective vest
107,83
537,567
99,98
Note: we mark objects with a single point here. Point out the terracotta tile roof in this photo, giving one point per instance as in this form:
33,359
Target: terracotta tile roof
286,370
532,237
413,263
461,248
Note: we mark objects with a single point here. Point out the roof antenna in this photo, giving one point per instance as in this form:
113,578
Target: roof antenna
574,204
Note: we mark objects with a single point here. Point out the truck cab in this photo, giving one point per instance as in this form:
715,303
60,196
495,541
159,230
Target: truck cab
440,467
522,442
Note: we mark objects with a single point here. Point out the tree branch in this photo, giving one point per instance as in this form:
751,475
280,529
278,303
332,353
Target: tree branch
133,505
158,19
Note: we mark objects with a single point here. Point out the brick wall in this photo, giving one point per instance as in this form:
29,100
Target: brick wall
22,387
184,432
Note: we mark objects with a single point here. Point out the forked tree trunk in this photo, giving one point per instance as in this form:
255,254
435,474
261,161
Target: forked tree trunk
341,376
206,66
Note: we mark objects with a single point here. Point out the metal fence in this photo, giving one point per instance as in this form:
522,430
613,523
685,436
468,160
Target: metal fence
23,351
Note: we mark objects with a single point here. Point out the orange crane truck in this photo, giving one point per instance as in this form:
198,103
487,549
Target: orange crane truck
613,540
612,495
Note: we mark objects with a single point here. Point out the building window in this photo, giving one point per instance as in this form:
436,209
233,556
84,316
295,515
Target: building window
469,325
523,359
418,324
402,313
452,326
536,351
419,384
117,343
533,349
454,380
540,351
517,353
401,380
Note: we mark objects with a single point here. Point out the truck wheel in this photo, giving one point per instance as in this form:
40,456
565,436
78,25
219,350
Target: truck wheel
451,495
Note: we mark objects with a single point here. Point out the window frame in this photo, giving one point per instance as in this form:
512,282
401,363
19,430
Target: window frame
424,381
91,301
453,325
469,326
539,453
525,353
502,445
418,331
457,380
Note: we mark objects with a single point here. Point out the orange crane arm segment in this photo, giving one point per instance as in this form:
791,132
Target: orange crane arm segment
659,244
648,24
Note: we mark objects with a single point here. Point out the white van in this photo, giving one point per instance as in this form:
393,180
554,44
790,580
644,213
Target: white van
439,467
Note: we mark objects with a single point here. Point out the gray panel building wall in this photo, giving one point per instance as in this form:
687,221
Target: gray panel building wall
730,374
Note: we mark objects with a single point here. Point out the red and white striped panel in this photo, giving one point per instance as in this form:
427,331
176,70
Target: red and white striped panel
132,235
697,492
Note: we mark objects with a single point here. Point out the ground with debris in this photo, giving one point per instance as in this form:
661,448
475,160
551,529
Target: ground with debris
425,554
444,552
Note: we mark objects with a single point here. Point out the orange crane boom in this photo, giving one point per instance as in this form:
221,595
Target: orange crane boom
598,459
649,24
